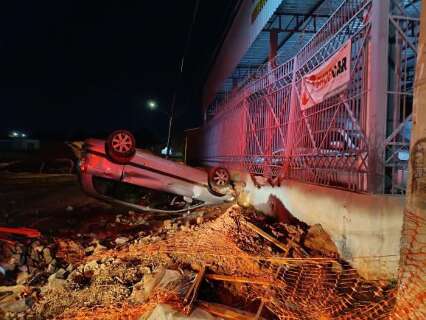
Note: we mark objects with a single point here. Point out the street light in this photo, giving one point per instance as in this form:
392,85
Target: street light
152,104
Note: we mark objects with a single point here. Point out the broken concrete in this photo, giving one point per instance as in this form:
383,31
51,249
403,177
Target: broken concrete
317,239
91,275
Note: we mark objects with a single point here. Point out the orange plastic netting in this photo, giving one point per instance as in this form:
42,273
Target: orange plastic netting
300,287
411,297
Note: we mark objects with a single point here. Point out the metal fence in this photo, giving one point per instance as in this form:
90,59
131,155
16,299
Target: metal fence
404,28
261,128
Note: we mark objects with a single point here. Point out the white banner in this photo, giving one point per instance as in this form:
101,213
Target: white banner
327,80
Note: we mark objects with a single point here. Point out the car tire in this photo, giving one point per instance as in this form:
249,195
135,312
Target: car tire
120,146
219,179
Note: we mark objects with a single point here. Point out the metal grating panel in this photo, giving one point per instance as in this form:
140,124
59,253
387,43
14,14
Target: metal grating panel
329,143
256,56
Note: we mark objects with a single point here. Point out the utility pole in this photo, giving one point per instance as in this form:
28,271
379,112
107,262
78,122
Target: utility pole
169,133
411,296
180,76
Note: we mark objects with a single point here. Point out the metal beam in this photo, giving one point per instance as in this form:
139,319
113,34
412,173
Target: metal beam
412,3
299,25
292,30
247,66
283,14
242,71
292,25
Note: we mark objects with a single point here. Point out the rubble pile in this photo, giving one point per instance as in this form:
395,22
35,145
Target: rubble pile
33,269
225,262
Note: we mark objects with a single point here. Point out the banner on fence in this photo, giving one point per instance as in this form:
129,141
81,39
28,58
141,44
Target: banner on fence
332,77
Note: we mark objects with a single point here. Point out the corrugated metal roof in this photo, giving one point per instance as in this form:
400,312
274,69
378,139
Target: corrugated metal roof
290,42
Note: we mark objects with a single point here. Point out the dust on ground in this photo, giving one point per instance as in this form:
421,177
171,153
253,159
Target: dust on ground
95,261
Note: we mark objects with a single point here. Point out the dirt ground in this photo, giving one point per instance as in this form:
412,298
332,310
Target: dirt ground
53,204
97,261
72,226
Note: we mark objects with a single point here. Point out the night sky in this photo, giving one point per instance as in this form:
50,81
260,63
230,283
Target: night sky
77,68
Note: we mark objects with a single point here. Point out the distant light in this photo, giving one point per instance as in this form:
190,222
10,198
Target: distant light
17,134
152,104
404,155
13,134
164,151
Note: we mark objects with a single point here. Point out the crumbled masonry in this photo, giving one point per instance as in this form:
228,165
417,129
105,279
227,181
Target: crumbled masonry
252,265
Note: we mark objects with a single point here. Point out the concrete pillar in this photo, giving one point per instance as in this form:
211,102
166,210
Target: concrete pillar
234,83
270,104
273,46
377,94
411,302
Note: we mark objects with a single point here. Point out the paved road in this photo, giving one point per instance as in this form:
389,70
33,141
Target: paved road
29,199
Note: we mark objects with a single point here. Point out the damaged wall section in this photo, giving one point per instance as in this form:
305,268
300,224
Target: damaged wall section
366,228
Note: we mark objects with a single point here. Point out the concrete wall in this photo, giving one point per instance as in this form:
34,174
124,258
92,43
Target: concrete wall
366,228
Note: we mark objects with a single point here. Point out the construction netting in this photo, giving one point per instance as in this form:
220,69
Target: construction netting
272,272
411,298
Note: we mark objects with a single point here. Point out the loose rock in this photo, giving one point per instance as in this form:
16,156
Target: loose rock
90,269
89,250
47,255
61,273
51,267
22,277
121,240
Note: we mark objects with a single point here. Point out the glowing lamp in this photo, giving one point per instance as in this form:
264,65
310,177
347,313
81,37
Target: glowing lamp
152,104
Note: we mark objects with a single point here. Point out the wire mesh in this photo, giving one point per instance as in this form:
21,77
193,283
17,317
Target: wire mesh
411,295
313,287
404,28
262,129
328,143
290,283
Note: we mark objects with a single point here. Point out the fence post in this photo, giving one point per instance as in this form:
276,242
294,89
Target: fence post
377,94
289,143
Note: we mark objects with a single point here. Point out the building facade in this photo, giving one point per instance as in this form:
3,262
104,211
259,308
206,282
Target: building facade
354,131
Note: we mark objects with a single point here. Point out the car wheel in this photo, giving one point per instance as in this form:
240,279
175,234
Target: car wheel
120,146
219,178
